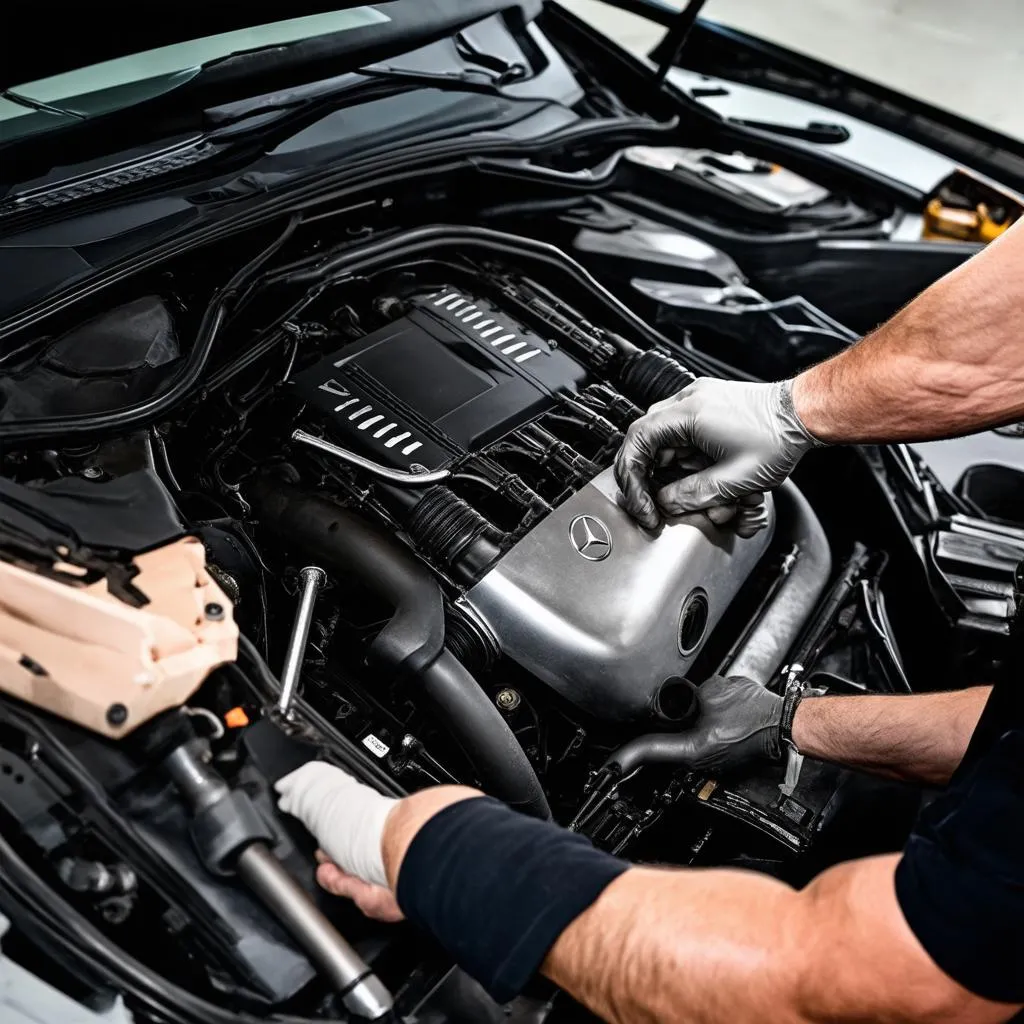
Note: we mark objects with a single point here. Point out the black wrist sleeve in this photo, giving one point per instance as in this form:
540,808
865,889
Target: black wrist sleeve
496,888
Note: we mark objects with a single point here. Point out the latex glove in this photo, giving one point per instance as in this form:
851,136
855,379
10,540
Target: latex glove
750,433
346,818
740,721
746,516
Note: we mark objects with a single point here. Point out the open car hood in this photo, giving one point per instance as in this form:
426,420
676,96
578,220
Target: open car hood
43,45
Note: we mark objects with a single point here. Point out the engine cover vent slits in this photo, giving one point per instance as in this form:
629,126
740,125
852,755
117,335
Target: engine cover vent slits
454,374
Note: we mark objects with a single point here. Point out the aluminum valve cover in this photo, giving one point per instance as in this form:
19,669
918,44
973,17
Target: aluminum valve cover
605,611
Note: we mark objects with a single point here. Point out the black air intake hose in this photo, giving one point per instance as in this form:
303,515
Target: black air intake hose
469,641
413,640
452,534
648,377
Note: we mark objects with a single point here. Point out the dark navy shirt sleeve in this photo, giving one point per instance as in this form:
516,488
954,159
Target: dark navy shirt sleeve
960,882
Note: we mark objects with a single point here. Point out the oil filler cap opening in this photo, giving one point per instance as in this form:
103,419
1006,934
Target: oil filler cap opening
693,621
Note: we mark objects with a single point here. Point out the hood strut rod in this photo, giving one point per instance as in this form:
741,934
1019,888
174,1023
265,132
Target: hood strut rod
674,41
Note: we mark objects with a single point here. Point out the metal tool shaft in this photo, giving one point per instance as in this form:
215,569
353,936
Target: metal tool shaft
362,991
313,578
204,791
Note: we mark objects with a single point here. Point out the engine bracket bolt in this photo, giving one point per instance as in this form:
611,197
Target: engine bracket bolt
92,473
214,612
117,714
508,700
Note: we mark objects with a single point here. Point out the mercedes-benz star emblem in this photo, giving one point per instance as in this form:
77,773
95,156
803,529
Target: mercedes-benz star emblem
590,537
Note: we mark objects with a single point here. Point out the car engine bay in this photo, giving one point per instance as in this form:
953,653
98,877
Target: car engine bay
390,420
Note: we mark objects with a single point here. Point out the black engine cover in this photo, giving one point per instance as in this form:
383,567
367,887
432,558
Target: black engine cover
453,375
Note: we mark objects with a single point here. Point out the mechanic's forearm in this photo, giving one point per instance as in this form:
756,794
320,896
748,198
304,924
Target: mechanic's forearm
918,737
728,947
950,363
698,946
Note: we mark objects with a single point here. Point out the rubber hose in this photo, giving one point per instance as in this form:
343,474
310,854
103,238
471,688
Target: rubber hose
348,544
413,639
764,651
484,735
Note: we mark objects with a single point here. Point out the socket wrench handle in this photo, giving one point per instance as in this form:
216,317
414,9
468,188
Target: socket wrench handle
312,578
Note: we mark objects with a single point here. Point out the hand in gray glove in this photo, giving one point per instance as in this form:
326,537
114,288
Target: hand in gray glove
347,819
750,434
740,721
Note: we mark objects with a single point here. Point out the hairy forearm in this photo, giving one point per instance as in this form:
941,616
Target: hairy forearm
919,737
950,363
716,946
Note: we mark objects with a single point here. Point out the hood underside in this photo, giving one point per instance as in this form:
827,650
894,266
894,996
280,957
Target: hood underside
43,45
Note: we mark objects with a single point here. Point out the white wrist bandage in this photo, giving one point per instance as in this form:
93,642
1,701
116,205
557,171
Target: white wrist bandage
346,818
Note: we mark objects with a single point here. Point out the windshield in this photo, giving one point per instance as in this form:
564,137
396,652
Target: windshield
114,84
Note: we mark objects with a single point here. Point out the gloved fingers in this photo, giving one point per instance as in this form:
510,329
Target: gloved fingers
667,403
691,748
724,691
720,515
698,492
751,520
299,788
662,430
346,817
686,460
633,465
310,774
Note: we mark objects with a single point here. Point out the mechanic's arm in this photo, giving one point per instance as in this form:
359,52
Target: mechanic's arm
507,896
949,363
918,737
730,946
715,946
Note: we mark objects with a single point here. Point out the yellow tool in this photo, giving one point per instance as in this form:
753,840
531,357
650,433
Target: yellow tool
963,224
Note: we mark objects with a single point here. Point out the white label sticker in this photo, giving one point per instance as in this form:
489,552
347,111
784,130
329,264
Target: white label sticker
375,746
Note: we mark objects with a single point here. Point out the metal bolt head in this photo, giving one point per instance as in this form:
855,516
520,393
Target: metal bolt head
92,472
508,700
117,714
214,612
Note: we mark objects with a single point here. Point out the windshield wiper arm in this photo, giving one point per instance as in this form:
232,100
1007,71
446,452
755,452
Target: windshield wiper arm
465,80
45,108
505,71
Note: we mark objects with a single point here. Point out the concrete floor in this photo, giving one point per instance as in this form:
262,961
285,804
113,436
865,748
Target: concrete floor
966,57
